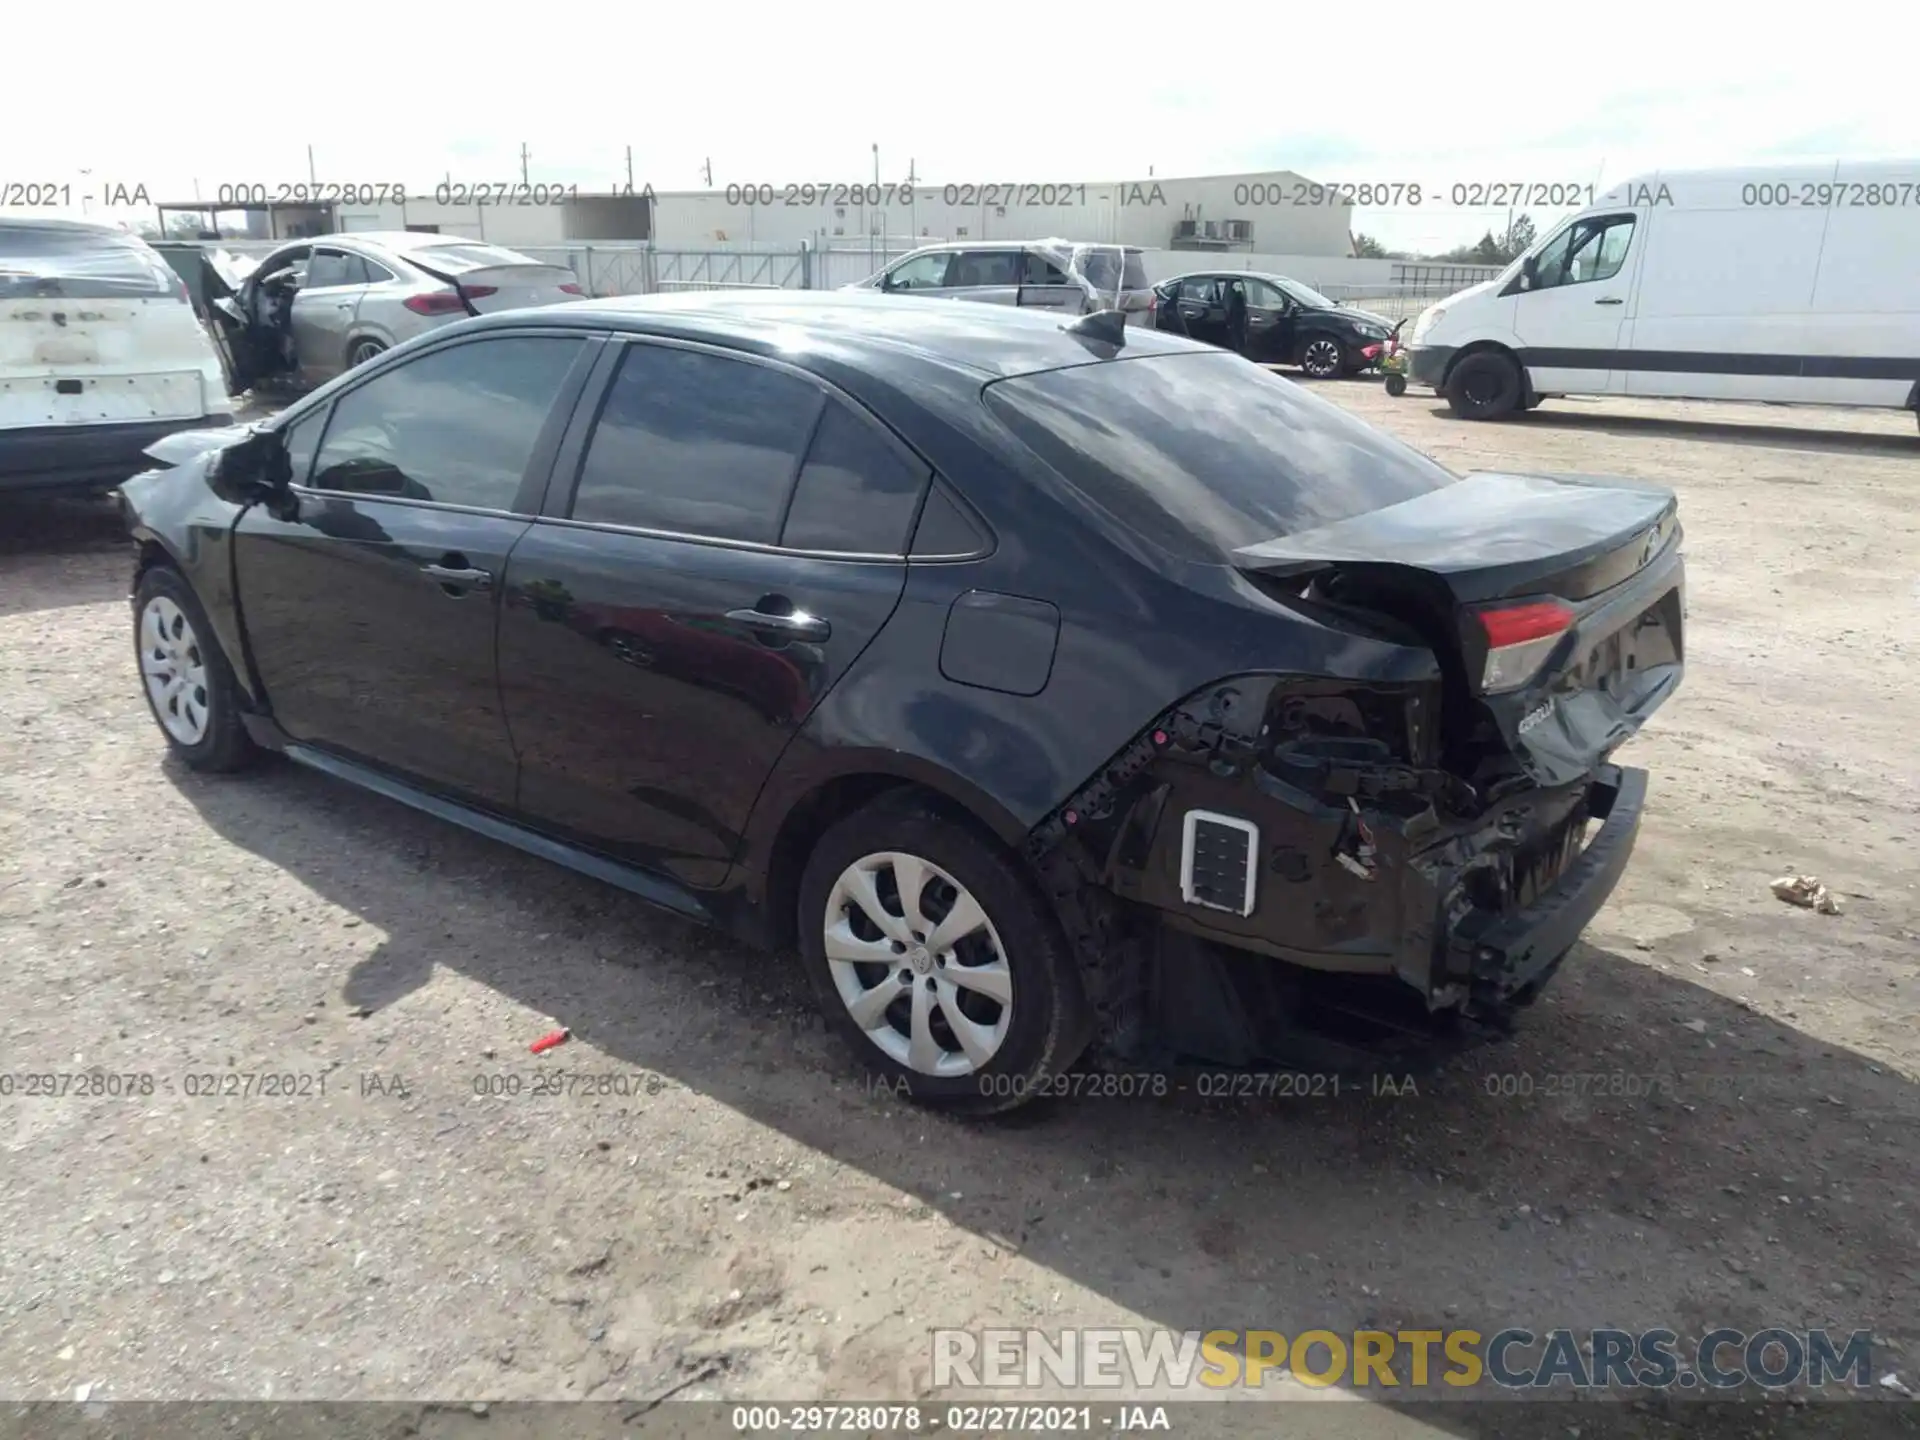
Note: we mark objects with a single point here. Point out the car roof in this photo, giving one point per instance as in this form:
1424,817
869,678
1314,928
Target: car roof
1230,275
994,341
1017,245
14,219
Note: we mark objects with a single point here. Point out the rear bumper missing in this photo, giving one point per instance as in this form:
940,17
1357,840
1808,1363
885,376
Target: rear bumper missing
1510,956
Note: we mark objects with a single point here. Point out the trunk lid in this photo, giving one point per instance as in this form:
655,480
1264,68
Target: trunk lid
490,278
1553,602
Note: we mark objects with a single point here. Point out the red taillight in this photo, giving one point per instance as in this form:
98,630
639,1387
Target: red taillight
571,290
1524,622
1519,638
1153,304
436,302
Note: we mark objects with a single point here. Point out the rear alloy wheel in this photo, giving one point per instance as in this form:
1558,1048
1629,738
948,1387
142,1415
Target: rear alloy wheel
363,351
1484,386
937,961
1323,357
185,676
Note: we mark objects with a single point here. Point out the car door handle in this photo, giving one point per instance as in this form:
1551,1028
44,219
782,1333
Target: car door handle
1610,300
458,575
796,625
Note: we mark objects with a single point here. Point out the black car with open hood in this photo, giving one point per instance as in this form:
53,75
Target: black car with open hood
1041,681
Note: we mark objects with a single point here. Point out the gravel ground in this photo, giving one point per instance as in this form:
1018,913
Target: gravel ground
737,1216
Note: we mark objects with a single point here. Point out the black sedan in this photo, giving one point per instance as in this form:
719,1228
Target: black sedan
1036,680
1271,319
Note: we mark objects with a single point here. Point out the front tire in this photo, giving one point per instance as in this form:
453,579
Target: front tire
1396,385
184,675
1322,357
1485,386
938,961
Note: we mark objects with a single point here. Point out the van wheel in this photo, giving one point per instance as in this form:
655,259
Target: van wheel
938,961
1322,357
1484,386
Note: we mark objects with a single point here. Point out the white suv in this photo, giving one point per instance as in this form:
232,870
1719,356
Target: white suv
101,354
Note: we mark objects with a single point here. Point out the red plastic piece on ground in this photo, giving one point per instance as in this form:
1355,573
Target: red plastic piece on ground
547,1042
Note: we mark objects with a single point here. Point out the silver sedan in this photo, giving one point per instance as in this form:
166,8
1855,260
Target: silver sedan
314,308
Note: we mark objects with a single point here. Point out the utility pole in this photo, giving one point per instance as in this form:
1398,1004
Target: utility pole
523,162
913,221
311,173
629,169
876,199
707,170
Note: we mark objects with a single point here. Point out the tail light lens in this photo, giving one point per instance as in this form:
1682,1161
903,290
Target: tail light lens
1519,639
571,290
436,302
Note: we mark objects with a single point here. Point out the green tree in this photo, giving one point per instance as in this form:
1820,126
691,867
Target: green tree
1365,247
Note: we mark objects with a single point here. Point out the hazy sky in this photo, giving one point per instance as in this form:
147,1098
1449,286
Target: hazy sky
782,92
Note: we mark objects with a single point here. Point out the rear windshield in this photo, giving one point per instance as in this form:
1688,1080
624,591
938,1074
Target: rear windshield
1102,267
77,262
457,259
1201,454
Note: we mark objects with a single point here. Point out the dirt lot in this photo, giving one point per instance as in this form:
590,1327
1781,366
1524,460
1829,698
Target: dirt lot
750,1222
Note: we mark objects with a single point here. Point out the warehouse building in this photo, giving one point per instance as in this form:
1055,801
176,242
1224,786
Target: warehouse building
1271,212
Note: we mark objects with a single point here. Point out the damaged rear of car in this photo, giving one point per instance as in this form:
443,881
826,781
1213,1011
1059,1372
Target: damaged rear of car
1398,803
313,309
100,355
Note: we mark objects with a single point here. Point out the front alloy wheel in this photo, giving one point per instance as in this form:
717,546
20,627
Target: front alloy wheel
175,670
184,674
1322,358
919,967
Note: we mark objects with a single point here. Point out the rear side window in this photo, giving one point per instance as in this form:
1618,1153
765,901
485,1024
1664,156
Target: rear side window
856,494
696,444
79,262
1041,271
1202,454
986,267
333,267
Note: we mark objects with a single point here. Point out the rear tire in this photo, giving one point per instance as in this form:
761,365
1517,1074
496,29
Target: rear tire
184,675
1322,357
363,351
1484,386
1396,385
882,883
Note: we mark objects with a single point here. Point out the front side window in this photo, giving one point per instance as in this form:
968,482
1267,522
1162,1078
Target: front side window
921,272
456,426
333,267
302,438
1587,250
696,444
1267,297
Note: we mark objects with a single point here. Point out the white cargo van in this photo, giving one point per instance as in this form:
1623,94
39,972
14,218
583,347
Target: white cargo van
1795,284
101,354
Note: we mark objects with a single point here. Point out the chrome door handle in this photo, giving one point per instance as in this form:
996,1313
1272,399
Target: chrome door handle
797,626
448,575
1610,300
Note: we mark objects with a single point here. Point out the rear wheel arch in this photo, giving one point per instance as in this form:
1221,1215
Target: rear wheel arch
830,801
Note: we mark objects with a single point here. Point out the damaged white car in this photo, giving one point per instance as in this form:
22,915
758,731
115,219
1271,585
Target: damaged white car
315,308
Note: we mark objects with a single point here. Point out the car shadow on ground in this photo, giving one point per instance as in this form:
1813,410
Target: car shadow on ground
1641,1135
1771,437
59,550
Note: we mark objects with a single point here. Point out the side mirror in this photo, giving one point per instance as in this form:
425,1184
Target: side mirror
252,471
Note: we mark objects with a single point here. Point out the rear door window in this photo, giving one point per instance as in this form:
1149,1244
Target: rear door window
63,261
1201,454
977,269
856,494
333,267
697,444
1038,270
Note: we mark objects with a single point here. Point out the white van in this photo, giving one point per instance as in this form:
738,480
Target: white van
101,354
1795,284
